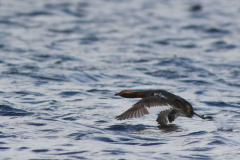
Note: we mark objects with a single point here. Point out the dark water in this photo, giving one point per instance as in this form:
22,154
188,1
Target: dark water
61,62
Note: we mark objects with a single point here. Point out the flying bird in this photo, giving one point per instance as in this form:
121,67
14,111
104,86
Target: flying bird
177,106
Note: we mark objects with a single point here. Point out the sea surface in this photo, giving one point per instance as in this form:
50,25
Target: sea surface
62,61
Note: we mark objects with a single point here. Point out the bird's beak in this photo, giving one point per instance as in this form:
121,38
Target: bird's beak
117,94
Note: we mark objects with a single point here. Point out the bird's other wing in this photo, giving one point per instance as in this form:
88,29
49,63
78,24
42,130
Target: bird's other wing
140,108
163,116
168,116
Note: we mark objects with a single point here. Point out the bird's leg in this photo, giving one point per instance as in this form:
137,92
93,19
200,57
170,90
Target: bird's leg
202,116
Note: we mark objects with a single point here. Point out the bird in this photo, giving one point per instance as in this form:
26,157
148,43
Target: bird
177,106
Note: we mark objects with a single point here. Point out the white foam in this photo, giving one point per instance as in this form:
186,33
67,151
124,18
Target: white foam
224,125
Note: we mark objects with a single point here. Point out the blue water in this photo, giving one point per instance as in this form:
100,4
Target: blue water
61,61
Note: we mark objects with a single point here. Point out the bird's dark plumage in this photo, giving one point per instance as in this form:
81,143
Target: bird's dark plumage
157,98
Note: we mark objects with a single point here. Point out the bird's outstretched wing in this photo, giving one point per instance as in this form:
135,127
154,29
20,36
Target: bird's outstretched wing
140,108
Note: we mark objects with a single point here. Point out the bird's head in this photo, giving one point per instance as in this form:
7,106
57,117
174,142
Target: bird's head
127,94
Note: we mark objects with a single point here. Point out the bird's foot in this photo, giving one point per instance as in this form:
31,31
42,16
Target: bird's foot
203,117
207,117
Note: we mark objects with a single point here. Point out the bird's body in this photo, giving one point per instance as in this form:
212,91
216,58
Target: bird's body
177,106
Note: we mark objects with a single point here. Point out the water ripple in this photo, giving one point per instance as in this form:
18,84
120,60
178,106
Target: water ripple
62,61
9,111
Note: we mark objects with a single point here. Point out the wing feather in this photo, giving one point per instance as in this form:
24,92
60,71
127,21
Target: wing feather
139,109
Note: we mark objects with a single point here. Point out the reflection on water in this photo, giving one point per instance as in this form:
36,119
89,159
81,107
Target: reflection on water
170,128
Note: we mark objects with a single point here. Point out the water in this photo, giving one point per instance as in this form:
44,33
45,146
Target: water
61,62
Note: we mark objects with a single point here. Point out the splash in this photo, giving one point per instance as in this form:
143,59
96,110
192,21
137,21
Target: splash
224,125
